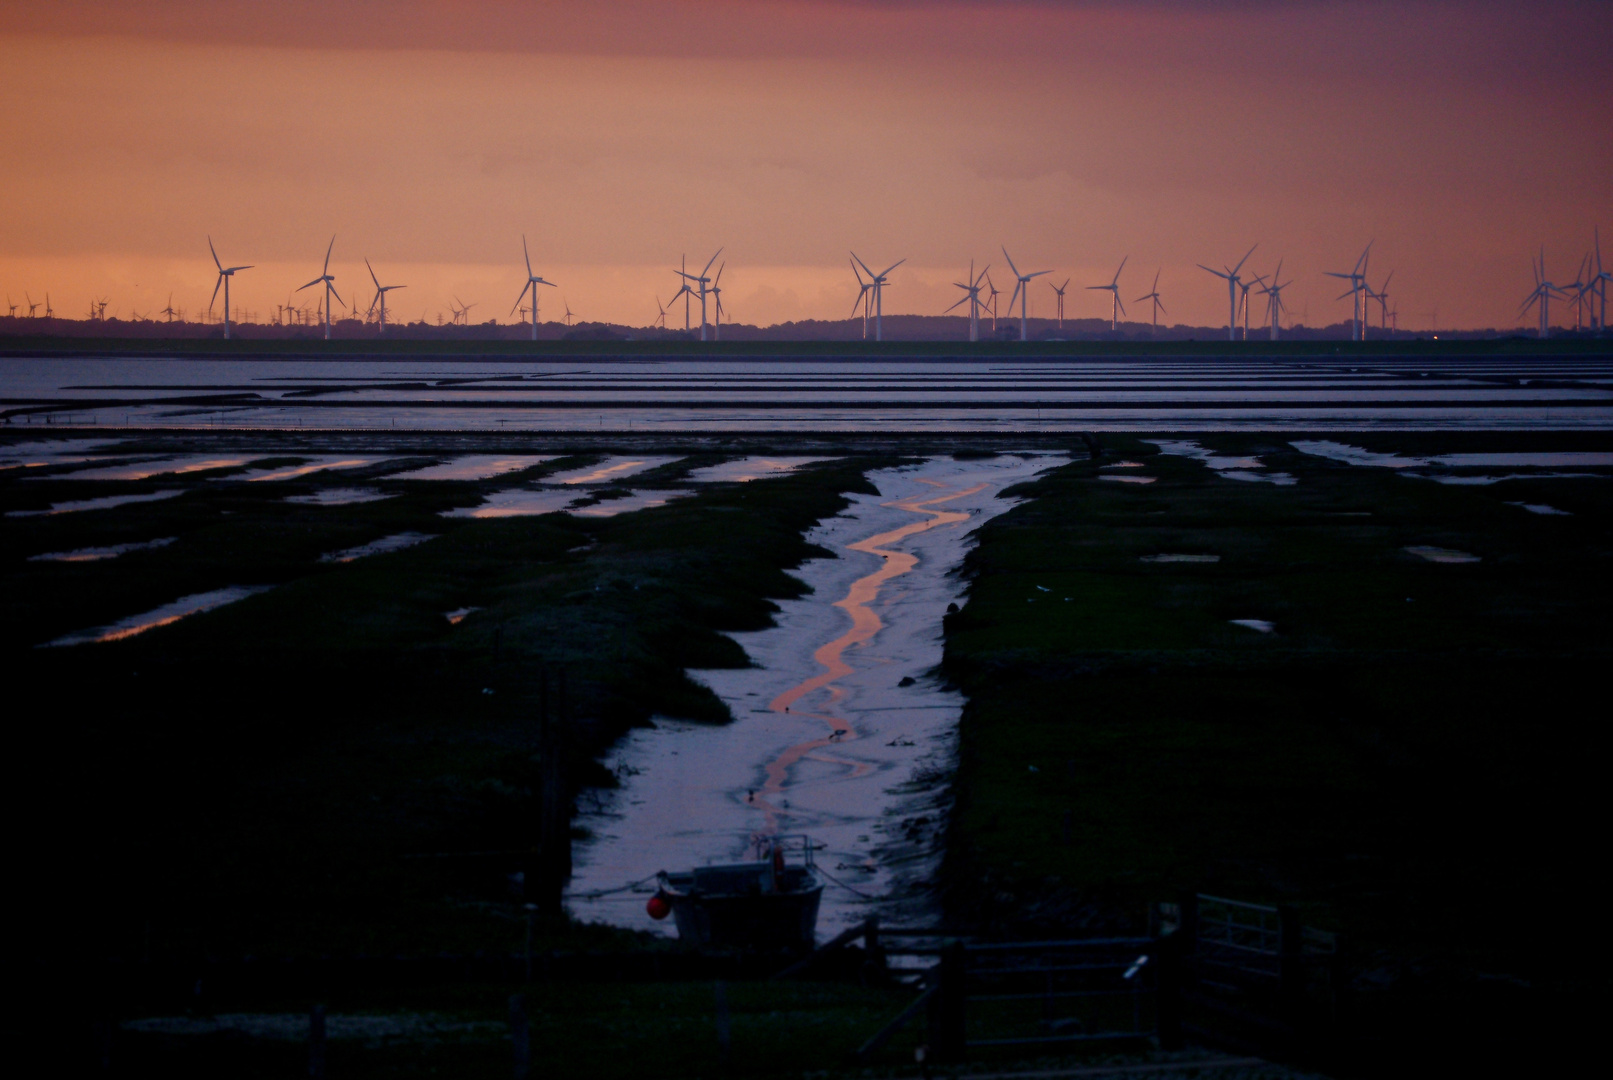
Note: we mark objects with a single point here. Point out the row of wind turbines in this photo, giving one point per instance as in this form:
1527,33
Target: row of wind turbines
1589,294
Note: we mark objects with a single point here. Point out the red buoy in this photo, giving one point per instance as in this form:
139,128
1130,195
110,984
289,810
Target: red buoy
659,906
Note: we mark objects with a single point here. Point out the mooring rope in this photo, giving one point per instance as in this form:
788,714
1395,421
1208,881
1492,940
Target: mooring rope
851,889
596,894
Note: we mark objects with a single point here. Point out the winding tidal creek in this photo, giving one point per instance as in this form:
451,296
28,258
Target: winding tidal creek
841,732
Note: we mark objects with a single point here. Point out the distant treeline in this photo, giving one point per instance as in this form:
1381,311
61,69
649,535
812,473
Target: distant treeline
897,328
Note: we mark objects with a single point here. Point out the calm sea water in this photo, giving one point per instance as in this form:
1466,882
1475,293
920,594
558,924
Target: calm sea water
809,395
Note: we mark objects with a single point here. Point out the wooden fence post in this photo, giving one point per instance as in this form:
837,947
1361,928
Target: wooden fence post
1291,964
725,1034
948,1012
520,1037
1168,990
873,951
316,1042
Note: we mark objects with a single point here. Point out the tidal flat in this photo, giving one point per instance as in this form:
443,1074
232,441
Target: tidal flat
333,768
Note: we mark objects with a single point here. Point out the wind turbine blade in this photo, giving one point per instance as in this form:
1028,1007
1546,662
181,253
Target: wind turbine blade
1156,278
1121,302
1116,280
1011,265
216,286
526,255
708,265
854,271
1161,305
1342,295
1217,273
718,280
316,281
214,250
518,299
371,269
233,269
328,250
336,294
892,266
960,303
863,265
1092,287
1243,260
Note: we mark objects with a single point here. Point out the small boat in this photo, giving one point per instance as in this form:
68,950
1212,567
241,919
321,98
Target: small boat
770,902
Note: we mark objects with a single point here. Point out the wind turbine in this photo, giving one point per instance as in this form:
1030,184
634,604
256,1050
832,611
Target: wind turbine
1058,290
862,297
224,276
532,282
1357,279
32,306
660,320
702,281
1244,287
1543,292
1231,276
1116,308
1022,293
877,284
1274,297
1382,297
1158,307
991,291
50,312
380,294
330,286
716,295
168,312
1599,284
462,314
972,298
567,305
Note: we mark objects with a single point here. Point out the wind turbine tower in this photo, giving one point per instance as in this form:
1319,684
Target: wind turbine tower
862,297
1598,288
1382,297
1158,307
1232,280
972,298
1357,279
1022,293
380,294
1058,291
716,296
330,287
1116,308
224,276
532,282
1244,287
704,289
877,283
1543,292
1274,298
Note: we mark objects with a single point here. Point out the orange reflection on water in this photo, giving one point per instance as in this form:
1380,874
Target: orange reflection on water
865,623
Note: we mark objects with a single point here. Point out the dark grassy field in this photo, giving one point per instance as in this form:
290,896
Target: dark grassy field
251,778
1407,757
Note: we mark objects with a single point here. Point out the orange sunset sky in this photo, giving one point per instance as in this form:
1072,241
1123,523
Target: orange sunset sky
429,136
